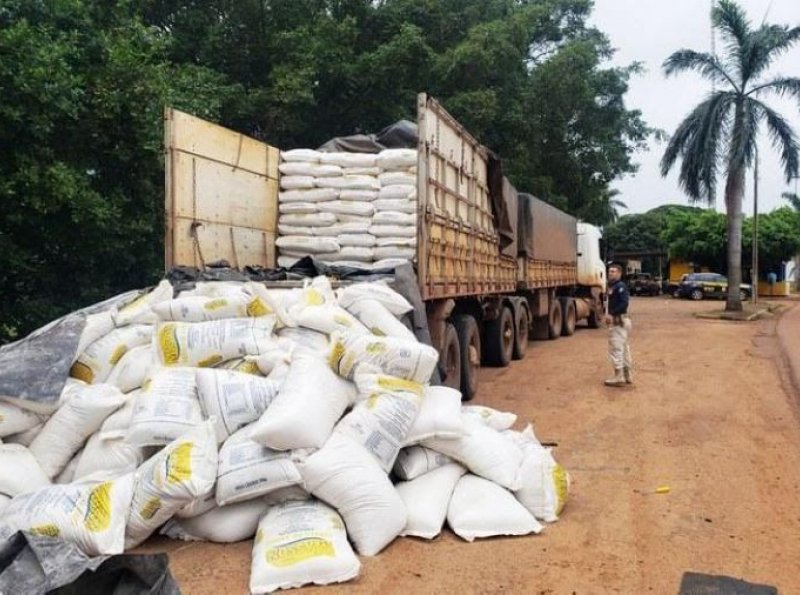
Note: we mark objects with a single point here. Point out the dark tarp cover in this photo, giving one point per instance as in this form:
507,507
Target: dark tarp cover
401,135
34,565
35,368
500,209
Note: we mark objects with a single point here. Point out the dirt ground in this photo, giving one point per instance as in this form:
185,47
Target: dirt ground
708,417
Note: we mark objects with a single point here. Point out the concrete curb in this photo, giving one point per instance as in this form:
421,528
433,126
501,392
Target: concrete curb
788,331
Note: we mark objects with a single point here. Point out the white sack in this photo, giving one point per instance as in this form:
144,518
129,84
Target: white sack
396,242
186,469
308,244
374,315
362,195
480,508
398,191
376,290
397,158
414,461
307,339
110,457
394,218
139,311
380,421
348,159
348,253
89,514
346,476
356,239
297,182
316,309
68,473
498,420
362,171
203,309
306,168
484,451
248,469
297,208
311,401
347,207
20,472
300,543
308,219
233,399
94,365
205,344
338,229
426,499
14,420
439,416
301,155
98,325
348,183
544,483
166,408
397,178
399,205
198,506
227,524
405,359
116,425
69,427
132,369
395,231
313,195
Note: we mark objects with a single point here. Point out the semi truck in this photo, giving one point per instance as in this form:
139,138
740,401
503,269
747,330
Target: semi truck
495,267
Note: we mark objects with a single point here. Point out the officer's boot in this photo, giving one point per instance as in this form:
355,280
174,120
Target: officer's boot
618,379
628,373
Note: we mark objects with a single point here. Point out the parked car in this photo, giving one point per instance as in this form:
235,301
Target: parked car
643,284
698,286
671,287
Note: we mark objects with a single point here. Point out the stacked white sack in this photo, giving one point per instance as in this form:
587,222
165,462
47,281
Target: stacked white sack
354,209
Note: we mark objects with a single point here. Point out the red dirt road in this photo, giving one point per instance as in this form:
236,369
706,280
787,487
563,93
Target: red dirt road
709,417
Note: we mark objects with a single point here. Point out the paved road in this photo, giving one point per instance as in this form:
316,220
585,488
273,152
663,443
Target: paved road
708,417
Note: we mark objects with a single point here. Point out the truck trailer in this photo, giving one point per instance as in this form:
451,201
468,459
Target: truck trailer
495,267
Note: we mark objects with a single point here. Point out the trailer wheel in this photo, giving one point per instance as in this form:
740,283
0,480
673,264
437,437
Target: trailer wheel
451,358
469,339
498,339
594,319
555,320
522,323
570,317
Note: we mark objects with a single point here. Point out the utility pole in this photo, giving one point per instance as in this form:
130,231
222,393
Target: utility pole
754,275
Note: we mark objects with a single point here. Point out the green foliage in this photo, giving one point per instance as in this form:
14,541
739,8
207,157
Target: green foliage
84,84
645,231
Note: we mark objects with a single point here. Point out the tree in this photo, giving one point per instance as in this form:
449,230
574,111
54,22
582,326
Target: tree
793,199
722,129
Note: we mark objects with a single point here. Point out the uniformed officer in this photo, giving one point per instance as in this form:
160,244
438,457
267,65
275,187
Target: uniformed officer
619,326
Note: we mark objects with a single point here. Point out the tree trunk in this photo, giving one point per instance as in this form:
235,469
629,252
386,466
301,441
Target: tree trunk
734,192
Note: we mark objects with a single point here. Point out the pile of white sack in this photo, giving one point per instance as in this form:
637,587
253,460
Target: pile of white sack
301,417
356,209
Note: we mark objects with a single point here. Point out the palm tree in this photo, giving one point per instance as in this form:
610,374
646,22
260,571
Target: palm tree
793,199
720,133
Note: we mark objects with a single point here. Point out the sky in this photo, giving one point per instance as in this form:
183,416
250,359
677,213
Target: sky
648,31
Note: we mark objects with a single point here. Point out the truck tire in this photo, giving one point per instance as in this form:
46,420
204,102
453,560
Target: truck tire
451,358
595,319
469,340
498,339
570,317
540,330
555,320
521,325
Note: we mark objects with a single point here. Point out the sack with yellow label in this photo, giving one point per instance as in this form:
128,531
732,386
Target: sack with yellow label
97,361
139,311
315,308
206,344
165,408
310,402
382,418
90,514
131,371
79,417
544,483
184,470
403,358
203,309
301,543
